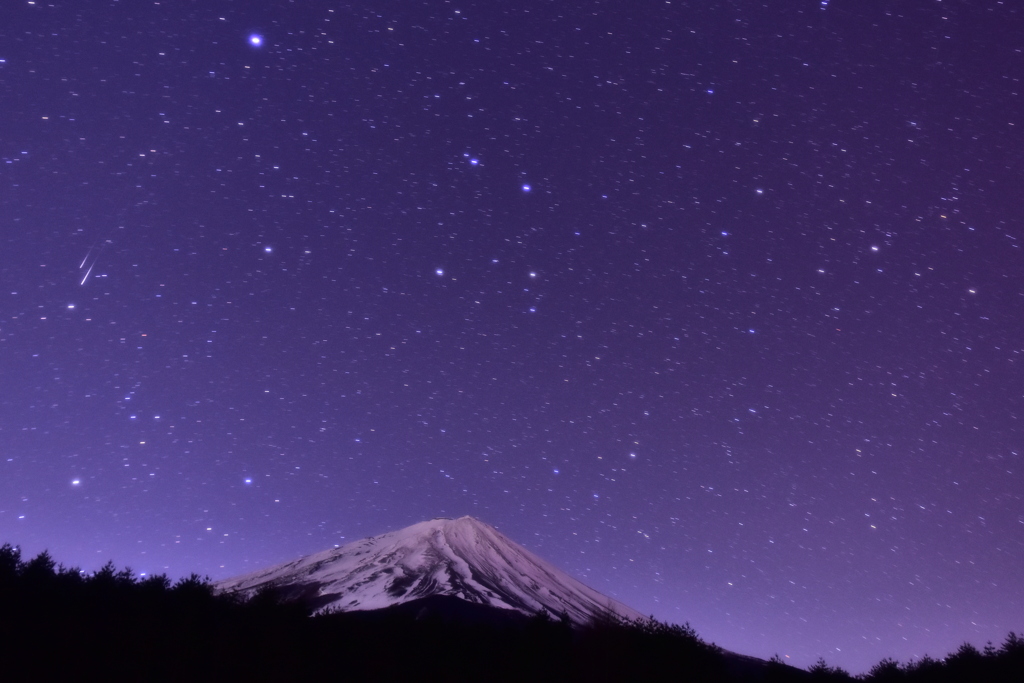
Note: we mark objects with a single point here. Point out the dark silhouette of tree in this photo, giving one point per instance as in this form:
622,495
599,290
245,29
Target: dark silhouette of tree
823,672
886,670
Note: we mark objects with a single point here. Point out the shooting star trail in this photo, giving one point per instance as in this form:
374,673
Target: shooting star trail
92,257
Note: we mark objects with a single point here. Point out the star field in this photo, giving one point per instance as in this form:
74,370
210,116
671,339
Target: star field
717,306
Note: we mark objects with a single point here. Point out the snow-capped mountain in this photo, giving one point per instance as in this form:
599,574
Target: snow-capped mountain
462,558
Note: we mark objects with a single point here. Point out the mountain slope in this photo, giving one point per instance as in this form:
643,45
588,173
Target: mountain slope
462,558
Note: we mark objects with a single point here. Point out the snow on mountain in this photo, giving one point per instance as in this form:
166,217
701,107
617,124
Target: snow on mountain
464,558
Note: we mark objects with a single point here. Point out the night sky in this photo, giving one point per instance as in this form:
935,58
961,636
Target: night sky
719,306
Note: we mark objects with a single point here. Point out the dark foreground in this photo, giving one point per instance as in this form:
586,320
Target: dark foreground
57,624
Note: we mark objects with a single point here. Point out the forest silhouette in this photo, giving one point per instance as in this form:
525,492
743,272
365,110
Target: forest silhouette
59,623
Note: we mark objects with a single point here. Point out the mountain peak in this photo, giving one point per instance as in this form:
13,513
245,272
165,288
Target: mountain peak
463,558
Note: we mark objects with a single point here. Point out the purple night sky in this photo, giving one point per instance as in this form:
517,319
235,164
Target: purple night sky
719,306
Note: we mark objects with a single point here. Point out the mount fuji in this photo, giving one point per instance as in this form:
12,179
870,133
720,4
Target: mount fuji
453,558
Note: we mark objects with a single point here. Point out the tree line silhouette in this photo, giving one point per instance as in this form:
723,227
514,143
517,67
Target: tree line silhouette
59,623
